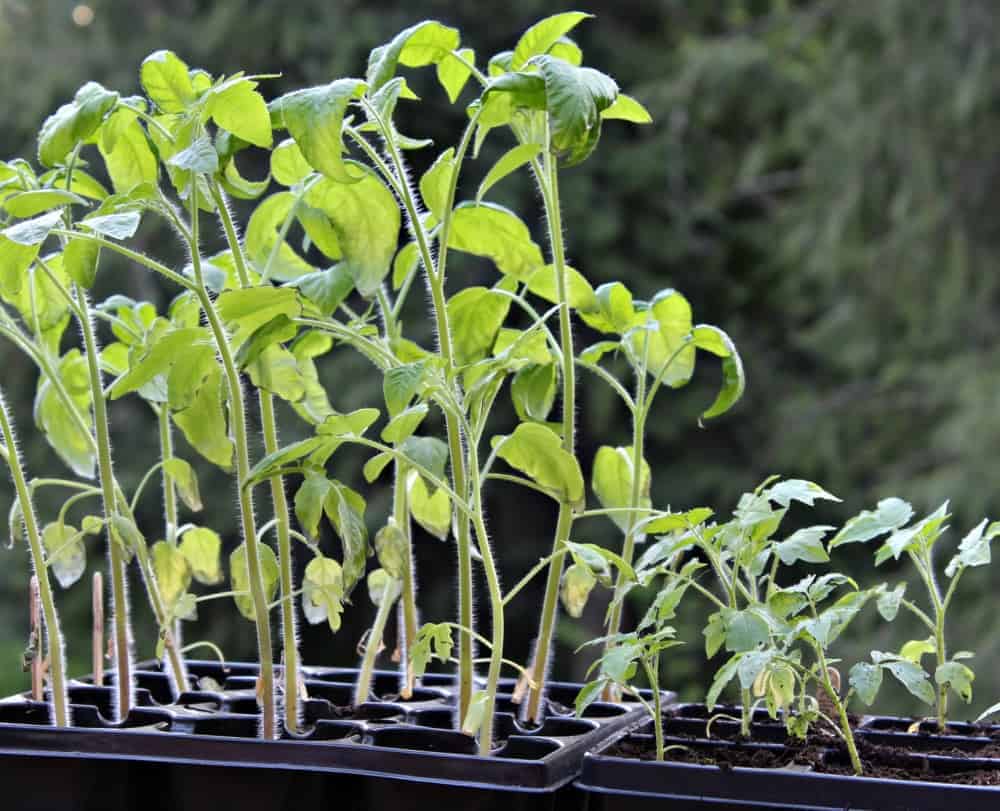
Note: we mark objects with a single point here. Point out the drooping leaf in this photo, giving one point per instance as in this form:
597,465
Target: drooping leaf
537,452
202,547
475,315
262,245
866,679
74,122
913,678
65,552
613,481
186,481
745,630
323,592
498,234
314,118
426,43
401,384
345,510
56,421
288,165
129,159
173,573
453,72
436,183
203,422
431,511
957,677
247,310
509,162
366,218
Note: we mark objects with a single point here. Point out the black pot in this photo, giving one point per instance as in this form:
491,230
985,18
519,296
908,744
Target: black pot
611,781
201,751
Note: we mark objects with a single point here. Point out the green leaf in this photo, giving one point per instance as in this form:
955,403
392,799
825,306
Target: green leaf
750,666
166,80
269,337
613,479
373,467
543,35
675,521
866,679
575,99
30,203
326,289
973,550
510,162
789,490
125,533
723,676
626,108
405,263
431,511
913,678
15,260
498,234
288,166
402,426
74,123
714,340
580,294
366,218
262,236
426,43
615,310
436,183
173,573
200,157
392,550
475,315
65,553
664,337
345,510
157,360
126,151
239,572
429,453
715,634
203,422
589,693
453,73
745,630
915,649
116,226
537,452
805,545
888,602
250,308
533,391
238,108
356,423
34,231
382,586
56,421
401,384
186,481
476,713
323,592
314,117
202,547
957,677
309,500
889,514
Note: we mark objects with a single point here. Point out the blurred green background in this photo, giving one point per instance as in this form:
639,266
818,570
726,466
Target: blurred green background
817,182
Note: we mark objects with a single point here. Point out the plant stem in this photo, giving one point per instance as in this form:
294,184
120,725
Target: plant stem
119,599
170,514
435,280
239,430
845,723
652,676
285,565
408,603
54,642
279,501
364,686
548,181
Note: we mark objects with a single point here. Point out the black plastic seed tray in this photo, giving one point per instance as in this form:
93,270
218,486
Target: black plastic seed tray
200,751
615,783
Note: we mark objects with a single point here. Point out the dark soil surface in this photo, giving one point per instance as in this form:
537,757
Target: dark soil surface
826,757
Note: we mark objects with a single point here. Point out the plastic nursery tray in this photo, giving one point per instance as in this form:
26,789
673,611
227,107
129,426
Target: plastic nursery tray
201,751
615,783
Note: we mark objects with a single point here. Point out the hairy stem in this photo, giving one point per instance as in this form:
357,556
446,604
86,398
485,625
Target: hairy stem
845,723
54,642
548,181
238,424
363,688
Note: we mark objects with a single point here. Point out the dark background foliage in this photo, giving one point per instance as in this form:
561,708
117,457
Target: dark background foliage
816,182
